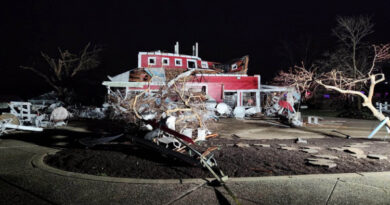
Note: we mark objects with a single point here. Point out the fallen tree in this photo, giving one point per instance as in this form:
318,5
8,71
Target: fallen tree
338,81
341,82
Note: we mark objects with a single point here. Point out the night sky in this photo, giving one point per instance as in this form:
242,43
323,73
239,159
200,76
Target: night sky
224,30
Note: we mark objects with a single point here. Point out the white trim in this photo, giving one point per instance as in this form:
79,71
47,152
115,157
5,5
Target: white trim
131,84
204,64
169,54
258,81
162,61
181,62
139,60
246,90
191,60
256,96
155,61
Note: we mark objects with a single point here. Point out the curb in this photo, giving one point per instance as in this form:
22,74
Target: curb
37,161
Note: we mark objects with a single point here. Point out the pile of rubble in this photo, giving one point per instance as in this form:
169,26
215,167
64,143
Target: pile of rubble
45,111
173,106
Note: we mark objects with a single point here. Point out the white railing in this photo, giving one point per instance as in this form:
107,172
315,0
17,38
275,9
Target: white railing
382,107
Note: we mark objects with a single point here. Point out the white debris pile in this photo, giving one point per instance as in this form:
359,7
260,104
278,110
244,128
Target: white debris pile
224,110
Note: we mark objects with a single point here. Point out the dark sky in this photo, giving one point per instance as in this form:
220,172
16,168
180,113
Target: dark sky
224,30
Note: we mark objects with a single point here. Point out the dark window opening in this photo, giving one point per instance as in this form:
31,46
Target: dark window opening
191,64
152,61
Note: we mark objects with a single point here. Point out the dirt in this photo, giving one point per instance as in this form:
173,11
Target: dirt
124,159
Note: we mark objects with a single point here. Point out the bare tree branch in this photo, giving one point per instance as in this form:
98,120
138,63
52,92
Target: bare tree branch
67,66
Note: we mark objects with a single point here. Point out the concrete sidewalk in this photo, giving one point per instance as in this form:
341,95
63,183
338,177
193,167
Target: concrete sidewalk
328,126
22,183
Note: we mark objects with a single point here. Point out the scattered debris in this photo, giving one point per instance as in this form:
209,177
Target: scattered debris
282,104
310,151
324,156
358,145
59,114
29,117
289,148
223,109
354,150
321,162
376,156
313,120
239,112
89,112
336,149
262,145
241,145
311,147
300,141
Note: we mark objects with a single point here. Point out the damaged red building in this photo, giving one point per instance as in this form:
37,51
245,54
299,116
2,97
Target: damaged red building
222,82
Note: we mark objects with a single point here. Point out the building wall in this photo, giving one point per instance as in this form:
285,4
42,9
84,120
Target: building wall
144,61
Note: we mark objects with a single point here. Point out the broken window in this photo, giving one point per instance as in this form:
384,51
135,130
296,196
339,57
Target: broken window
165,61
178,62
196,88
191,63
230,98
249,99
152,61
204,64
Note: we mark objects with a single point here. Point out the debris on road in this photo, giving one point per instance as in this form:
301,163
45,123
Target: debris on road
300,141
321,162
376,156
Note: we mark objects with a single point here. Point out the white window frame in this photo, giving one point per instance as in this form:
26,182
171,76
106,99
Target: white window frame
162,61
180,60
204,64
234,66
191,60
154,58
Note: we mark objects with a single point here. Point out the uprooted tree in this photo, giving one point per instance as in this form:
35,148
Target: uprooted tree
339,81
66,67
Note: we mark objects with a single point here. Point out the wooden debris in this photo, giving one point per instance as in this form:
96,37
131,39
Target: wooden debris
321,162
262,145
310,151
376,156
289,148
242,145
324,156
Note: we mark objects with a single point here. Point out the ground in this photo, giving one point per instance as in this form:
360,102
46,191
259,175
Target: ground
23,180
125,159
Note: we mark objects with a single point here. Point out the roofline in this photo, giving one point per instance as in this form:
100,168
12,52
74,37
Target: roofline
168,54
